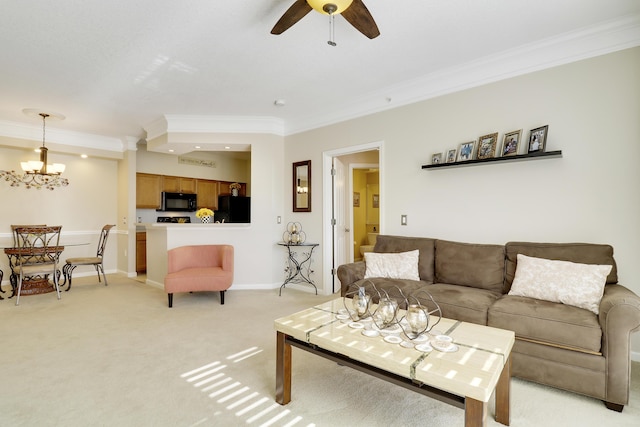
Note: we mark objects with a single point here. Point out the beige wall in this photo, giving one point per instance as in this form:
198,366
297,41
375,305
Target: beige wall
591,194
82,208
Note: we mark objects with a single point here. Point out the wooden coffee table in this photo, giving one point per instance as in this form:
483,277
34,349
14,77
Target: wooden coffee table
466,378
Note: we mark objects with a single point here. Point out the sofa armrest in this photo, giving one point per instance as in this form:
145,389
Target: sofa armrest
350,273
619,317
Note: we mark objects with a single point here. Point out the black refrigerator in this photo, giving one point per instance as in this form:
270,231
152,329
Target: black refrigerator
233,209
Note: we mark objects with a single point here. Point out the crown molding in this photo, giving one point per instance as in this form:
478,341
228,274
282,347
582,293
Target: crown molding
172,123
74,139
589,42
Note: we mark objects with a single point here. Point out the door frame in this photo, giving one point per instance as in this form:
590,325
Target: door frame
327,204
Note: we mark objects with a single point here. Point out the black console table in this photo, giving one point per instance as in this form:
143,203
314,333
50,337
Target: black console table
298,271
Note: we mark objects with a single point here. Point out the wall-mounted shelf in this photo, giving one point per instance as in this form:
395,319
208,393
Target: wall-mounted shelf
532,156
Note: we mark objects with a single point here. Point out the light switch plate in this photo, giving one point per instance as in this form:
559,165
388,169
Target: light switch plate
403,220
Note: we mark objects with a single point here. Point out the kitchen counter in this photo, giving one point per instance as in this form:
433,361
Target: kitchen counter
164,236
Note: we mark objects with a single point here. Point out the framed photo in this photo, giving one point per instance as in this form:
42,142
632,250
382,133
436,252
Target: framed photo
356,199
436,159
376,201
451,155
510,143
538,139
465,151
487,146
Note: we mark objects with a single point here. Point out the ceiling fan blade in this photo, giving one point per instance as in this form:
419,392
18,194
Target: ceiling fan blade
296,12
359,16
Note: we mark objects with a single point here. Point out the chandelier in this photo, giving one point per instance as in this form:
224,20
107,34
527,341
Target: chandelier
37,173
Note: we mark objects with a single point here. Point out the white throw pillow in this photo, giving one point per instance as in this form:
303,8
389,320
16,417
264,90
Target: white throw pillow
580,285
402,265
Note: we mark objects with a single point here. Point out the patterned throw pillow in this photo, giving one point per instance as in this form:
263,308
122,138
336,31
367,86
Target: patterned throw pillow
580,285
403,265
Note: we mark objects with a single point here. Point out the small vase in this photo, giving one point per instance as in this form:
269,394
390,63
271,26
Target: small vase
234,192
206,219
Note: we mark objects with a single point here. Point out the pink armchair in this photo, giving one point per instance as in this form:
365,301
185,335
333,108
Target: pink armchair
199,268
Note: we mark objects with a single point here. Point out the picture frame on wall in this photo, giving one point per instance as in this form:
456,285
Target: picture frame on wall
356,199
451,155
510,143
538,139
487,146
436,159
466,151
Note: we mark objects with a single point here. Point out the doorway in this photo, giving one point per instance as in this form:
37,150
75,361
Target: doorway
338,204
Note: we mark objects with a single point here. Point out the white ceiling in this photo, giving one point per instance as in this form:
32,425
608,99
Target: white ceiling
115,67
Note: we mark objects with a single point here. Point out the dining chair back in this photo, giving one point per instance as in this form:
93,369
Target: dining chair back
39,251
14,227
96,261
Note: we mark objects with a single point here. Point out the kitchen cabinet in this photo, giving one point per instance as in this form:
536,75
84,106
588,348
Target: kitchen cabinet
207,194
148,188
141,252
178,184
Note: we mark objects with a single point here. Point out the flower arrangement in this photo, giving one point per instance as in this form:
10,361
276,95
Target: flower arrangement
235,186
202,212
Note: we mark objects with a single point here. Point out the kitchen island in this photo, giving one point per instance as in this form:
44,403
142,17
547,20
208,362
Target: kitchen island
258,253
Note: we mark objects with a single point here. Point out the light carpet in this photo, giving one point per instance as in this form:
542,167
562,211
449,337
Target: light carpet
118,356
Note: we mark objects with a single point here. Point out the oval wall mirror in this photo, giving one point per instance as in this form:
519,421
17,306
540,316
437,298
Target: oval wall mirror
302,186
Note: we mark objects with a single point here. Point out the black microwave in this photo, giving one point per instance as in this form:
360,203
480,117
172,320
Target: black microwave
178,202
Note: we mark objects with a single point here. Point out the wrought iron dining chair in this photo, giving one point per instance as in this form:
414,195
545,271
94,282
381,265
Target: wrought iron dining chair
39,251
96,261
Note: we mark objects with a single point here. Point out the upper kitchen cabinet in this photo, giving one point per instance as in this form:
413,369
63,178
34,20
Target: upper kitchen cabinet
177,184
208,194
148,188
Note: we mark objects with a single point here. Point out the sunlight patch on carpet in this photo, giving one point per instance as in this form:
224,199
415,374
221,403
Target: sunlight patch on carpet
238,399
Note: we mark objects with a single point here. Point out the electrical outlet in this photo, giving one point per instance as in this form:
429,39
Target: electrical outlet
403,220
124,220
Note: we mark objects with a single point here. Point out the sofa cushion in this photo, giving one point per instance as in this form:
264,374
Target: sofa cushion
462,302
468,264
402,265
580,285
584,253
425,245
547,322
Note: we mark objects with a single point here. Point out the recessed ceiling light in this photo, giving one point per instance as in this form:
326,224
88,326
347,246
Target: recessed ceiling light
170,150
197,147
84,156
227,148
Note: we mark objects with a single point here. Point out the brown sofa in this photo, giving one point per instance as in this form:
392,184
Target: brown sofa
556,344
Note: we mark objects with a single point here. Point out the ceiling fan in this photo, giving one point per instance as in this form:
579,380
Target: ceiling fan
354,11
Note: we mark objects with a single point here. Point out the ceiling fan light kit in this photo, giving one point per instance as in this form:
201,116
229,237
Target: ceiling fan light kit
330,7
353,11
